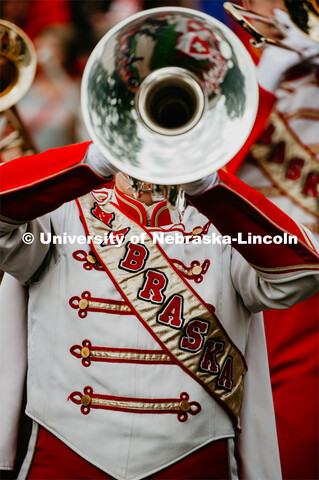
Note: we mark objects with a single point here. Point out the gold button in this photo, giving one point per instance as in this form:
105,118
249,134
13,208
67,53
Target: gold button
83,304
85,352
197,231
184,406
86,400
197,270
91,259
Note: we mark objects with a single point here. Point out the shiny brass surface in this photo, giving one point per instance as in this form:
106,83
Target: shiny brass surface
17,64
86,400
197,270
83,304
184,406
169,95
197,231
91,259
17,70
85,352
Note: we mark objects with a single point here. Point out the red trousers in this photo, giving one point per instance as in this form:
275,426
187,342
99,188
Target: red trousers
53,460
292,340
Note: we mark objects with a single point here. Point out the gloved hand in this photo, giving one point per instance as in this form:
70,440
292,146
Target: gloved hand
276,61
200,186
99,164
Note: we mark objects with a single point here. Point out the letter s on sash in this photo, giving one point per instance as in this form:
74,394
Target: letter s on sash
195,331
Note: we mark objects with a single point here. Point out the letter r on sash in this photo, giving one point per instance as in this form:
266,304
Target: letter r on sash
153,287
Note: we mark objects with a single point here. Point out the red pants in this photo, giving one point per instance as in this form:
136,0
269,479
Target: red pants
53,460
292,339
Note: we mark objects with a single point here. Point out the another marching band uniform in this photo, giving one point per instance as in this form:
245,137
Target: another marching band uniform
283,166
137,349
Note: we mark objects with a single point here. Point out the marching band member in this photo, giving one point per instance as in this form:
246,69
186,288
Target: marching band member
139,343
283,165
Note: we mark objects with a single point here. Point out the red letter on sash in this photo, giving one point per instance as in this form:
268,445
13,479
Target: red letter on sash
225,377
154,285
208,362
194,338
105,217
135,257
172,314
294,168
310,187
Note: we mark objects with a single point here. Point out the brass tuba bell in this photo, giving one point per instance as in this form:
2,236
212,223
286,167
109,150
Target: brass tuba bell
17,69
169,95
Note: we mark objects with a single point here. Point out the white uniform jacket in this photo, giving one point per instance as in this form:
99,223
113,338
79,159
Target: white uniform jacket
97,378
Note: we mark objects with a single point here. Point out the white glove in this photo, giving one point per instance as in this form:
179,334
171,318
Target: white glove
276,61
201,186
99,164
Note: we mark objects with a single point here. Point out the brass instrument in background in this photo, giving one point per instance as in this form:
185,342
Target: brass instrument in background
303,13
17,70
169,96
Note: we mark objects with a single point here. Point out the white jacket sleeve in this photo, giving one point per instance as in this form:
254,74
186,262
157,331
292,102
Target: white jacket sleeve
13,328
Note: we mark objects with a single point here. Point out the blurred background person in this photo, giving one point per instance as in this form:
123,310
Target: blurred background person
47,108
283,165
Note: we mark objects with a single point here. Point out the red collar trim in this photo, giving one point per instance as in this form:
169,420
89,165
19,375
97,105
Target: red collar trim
136,210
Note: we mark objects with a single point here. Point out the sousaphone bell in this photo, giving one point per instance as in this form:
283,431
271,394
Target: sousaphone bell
17,70
169,96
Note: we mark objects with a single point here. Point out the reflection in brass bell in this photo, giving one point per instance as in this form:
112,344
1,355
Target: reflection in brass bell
169,95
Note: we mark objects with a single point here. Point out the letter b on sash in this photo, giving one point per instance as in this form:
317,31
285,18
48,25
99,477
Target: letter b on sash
135,257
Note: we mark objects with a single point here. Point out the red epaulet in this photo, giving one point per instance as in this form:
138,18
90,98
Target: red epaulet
274,242
37,184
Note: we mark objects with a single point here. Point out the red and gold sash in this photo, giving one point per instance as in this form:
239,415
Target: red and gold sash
185,327
292,167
